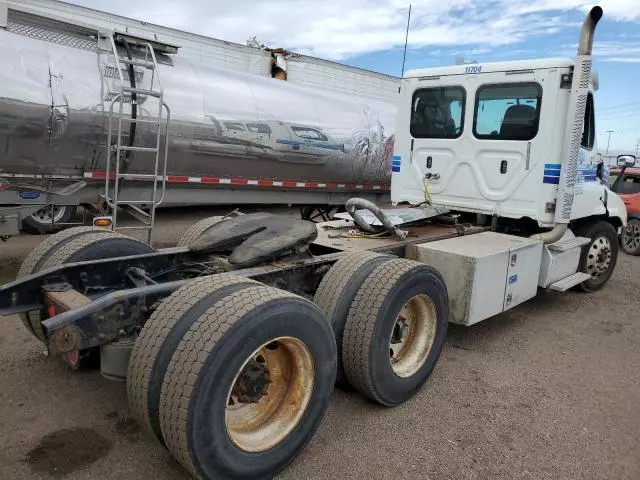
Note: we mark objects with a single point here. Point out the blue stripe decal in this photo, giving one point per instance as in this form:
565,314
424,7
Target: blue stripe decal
395,169
396,157
552,180
552,173
552,166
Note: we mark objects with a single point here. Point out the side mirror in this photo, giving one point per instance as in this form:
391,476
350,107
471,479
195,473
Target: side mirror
626,160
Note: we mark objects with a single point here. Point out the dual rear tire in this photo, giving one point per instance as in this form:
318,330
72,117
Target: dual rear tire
390,320
233,376
73,245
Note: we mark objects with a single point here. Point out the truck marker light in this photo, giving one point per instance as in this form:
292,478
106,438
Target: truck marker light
104,222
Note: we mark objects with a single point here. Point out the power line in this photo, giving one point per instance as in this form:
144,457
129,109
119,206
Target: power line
620,105
622,132
623,114
618,112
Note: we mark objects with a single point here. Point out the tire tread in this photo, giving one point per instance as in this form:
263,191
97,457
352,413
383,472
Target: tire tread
190,357
198,229
337,283
156,331
363,315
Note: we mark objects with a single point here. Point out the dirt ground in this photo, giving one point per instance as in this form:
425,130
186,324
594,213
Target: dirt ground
549,390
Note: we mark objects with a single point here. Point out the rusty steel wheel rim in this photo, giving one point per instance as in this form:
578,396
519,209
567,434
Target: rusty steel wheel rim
413,336
269,394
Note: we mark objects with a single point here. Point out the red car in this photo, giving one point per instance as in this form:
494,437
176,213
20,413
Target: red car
626,183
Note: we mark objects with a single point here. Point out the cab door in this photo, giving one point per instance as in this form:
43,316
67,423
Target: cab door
474,139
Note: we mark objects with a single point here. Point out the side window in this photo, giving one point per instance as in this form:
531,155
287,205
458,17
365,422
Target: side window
509,111
234,126
437,112
258,128
589,131
309,133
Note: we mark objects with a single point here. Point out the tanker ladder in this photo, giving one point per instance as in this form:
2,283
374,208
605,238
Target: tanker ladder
119,149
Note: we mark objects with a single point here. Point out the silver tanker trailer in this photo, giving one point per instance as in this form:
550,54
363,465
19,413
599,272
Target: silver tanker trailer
115,114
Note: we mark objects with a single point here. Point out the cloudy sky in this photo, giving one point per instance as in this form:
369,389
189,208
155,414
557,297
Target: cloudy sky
370,34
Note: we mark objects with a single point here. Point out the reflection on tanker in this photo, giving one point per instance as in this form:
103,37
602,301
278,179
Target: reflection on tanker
55,99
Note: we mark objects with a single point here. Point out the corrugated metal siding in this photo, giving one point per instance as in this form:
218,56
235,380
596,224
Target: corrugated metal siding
302,70
308,71
195,48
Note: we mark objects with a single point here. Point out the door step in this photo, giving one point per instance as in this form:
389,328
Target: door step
568,243
570,281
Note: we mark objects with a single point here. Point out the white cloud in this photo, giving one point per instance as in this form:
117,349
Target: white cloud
623,59
338,29
611,50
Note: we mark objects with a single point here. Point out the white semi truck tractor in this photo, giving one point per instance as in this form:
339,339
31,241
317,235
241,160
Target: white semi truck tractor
231,343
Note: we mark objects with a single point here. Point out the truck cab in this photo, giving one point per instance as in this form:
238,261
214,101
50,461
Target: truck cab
488,138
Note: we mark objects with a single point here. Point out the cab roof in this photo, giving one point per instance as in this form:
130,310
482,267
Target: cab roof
517,65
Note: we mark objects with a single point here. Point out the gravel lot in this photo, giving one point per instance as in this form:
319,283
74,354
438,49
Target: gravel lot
549,390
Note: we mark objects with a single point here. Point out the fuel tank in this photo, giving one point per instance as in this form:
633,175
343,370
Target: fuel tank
55,97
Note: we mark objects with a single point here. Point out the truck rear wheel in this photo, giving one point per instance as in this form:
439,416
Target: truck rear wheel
395,331
248,385
160,337
630,238
337,290
96,246
34,261
89,246
197,229
598,257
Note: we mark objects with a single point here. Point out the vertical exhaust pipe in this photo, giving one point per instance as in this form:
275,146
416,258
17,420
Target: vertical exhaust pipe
574,127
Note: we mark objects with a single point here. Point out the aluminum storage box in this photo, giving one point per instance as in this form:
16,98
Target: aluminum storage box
486,273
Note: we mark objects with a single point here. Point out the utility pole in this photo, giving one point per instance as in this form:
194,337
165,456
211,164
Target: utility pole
637,147
608,140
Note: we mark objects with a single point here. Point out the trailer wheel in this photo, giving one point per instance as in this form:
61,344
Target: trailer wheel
198,229
35,259
160,337
337,290
630,237
598,257
49,219
248,385
395,330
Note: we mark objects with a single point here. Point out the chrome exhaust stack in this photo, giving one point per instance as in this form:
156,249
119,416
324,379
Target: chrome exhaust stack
573,132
